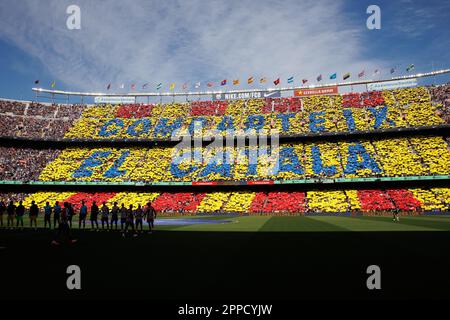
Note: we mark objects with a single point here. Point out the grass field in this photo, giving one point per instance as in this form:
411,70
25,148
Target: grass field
320,223
297,258
296,223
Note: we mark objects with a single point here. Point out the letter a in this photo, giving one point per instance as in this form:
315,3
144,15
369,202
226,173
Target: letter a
74,280
374,281
74,19
373,21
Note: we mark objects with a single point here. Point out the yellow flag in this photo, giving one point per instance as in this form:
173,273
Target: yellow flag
172,86
53,84
236,82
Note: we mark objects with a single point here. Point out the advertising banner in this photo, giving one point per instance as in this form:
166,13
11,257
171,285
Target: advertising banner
247,95
115,100
260,182
389,85
315,91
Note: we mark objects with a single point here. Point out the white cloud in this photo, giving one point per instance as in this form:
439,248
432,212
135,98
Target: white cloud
153,41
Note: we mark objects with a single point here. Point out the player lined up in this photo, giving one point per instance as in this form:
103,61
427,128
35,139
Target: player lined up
129,218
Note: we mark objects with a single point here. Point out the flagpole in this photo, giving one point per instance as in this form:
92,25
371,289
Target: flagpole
432,69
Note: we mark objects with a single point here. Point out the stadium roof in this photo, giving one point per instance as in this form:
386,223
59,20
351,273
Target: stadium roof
198,93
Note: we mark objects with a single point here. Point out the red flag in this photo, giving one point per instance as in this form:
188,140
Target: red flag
224,82
133,86
210,84
304,81
277,82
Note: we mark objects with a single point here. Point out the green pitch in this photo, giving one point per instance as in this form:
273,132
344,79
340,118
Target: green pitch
319,223
296,223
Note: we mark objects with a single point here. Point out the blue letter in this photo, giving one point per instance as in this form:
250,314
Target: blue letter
226,124
164,129
145,127
288,161
114,171
203,122
104,130
255,121
380,115
285,123
93,161
315,122
177,160
348,114
353,164
317,166
214,167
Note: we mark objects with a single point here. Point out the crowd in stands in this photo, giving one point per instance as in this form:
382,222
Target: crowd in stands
399,157
375,110
370,202
24,164
35,120
441,96
318,114
394,157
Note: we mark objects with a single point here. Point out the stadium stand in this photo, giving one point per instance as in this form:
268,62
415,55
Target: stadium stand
350,202
35,120
413,156
370,111
399,157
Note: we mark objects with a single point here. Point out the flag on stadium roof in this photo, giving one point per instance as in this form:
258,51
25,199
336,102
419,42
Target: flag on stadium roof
144,85
133,86
236,82
263,80
319,78
250,80
392,70
122,86
361,74
410,67
108,86
53,84
224,82
290,80
210,84
333,76
376,72
197,85
184,87
158,86
36,81
304,81
172,86
346,76
277,82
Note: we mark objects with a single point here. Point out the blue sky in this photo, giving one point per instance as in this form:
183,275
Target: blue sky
189,41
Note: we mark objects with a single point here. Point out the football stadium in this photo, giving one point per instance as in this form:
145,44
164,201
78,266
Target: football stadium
235,188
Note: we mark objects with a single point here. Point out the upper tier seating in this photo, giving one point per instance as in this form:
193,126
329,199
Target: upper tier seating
411,107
